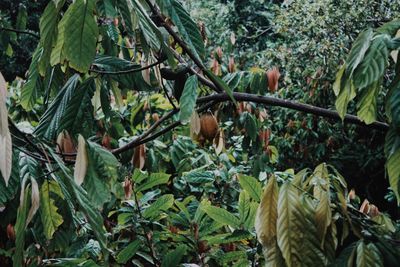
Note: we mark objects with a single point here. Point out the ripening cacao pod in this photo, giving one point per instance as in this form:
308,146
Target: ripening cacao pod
208,126
10,232
155,117
273,77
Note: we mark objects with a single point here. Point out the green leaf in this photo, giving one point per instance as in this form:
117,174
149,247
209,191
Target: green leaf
368,255
20,227
154,180
392,152
252,186
162,204
243,205
199,177
221,215
250,125
187,28
222,85
101,173
267,214
367,106
48,34
173,258
51,219
81,34
373,65
188,99
33,87
128,252
340,75
323,215
58,52
273,256
289,225
49,124
78,107
347,93
8,192
149,30
357,52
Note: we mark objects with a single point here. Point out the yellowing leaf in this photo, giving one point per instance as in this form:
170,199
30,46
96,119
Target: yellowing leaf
81,161
323,215
5,136
51,219
267,214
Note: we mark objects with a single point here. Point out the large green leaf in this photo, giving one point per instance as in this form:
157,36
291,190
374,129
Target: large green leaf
186,26
373,65
323,215
367,106
8,192
48,33
360,46
20,227
81,34
290,228
58,52
221,84
221,215
392,152
347,93
33,87
161,204
252,186
51,219
154,180
188,99
49,123
128,252
368,255
174,257
267,214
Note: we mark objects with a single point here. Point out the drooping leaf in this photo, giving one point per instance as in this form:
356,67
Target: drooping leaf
188,99
81,34
243,205
20,227
346,94
392,152
186,27
81,163
33,86
48,34
267,214
252,186
357,52
289,225
373,65
51,219
367,106
5,135
323,215
221,84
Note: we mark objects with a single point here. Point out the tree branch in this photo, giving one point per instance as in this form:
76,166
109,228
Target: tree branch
20,31
158,16
306,108
126,71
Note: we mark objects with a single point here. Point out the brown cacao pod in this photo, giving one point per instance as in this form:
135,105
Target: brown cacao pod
208,126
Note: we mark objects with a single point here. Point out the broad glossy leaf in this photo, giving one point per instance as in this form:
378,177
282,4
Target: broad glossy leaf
128,252
51,219
357,52
163,203
367,106
188,99
290,225
373,65
49,124
154,180
347,93
33,87
252,186
221,215
323,215
81,34
392,152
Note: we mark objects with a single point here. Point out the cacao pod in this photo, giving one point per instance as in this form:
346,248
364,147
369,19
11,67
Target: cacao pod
208,126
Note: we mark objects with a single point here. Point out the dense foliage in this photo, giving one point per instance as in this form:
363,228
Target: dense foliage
140,136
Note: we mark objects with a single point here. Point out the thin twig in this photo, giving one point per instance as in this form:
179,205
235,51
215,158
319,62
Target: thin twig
20,31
